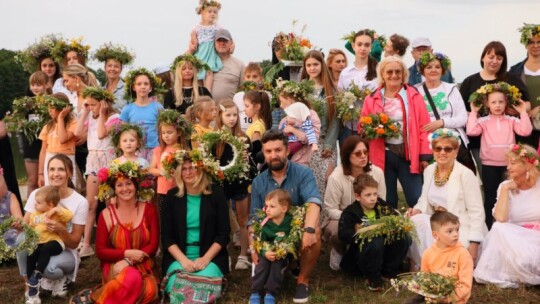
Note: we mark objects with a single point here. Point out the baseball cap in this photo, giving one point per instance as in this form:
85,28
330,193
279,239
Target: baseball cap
421,41
223,34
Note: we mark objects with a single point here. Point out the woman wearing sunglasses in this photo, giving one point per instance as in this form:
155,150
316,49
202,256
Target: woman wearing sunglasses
405,157
448,186
339,190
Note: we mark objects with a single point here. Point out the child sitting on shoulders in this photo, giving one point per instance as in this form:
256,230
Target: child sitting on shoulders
377,258
447,256
50,243
298,117
276,226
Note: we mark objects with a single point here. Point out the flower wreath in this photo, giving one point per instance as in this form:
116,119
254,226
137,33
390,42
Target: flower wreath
144,181
8,236
29,58
300,90
98,94
206,3
524,154
238,167
349,103
62,47
56,103
29,116
428,57
198,64
431,285
156,83
381,39
528,32
286,245
247,86
443,132
480,96
199,157
174,118
117,52
120,128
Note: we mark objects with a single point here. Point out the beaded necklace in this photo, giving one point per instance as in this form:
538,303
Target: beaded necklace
441,181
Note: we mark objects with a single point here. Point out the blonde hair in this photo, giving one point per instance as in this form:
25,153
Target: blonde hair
202,184
533,170
198,107
40,78
382,66
282,196
177,87
49,195
87,77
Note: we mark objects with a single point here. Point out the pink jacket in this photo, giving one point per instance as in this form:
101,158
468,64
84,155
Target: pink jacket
415,116
497,134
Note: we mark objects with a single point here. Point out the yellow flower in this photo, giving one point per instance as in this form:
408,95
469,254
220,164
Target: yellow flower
481,90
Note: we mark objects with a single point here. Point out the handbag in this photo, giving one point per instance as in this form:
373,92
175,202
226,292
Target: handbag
190,288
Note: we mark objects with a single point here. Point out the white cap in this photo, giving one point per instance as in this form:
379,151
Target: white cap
161,68
421,41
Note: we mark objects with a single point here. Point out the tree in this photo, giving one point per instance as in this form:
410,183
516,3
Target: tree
13,80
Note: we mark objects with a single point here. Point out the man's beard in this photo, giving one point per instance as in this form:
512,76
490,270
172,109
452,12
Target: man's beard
273,166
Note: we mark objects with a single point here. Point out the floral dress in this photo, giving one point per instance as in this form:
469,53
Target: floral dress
205,50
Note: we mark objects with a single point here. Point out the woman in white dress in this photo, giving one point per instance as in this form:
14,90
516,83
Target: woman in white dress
448,186
511,250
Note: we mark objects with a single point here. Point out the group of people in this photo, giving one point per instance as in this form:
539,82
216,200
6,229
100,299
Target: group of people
140,148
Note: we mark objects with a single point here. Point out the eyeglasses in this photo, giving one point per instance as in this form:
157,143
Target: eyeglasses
360,153
438,149
390,72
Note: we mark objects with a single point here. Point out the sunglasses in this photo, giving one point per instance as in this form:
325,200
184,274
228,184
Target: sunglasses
535,43
438,149
360,153
390,72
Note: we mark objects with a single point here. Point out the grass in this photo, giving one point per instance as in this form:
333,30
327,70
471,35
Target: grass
326,286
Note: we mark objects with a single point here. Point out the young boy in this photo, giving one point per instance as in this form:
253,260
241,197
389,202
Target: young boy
376,259
252,72
50,244
268,270
447,256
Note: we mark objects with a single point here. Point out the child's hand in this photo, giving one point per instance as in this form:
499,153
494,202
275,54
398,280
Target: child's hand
65,111
51,212
291,121
103,108
193,43
270,255
474,108
314,148
521,107
254,257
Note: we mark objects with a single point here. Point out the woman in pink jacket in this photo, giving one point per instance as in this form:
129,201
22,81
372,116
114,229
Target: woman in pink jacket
402,158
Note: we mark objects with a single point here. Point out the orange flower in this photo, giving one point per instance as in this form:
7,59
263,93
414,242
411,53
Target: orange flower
366,120
383,117
305,42
393,127
380,131
220,175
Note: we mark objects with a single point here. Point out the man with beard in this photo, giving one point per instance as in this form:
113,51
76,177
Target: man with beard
299,181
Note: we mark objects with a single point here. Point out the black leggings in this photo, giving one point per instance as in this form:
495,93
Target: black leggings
492,177
39,259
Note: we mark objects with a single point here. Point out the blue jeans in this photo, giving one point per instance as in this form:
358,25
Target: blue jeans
396,168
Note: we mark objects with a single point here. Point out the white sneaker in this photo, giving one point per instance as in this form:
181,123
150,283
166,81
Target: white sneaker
86,251
59,288
335,260
242,263
31,300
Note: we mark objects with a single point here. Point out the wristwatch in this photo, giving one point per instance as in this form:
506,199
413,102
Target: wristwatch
309,230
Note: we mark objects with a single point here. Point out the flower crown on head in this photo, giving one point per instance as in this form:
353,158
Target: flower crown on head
428,57
144,181
56,103
528,32
119,128
525,155
381,38
62,47
206,3
511,92
117,52
174,118
443,132
198,64
155,83
98,94
199,157
300,90
247,86
29,58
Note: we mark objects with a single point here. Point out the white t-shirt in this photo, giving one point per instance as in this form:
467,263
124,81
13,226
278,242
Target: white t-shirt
75,203
93,141
352,74
244,120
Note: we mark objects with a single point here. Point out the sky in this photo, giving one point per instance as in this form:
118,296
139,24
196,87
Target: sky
157,31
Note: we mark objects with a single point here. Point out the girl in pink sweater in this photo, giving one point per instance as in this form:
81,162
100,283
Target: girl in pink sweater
497,134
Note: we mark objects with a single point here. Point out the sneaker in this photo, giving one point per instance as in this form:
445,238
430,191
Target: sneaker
375,284
335,260
33,284
255,298
59,287
301,295
86,251
31,299
269,299
242,263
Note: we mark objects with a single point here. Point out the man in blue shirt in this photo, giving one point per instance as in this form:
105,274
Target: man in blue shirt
299,181
420,46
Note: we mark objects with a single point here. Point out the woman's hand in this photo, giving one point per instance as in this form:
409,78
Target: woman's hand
201,263
55,226
326,153
118,267
534,111
65,111
189,265
135,255
473,250
434,125
288,129
270,255
510,186
423,166
412,212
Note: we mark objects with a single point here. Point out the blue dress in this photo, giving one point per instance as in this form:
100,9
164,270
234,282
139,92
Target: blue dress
205,50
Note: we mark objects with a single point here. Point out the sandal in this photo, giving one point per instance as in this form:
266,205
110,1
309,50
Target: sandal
82,297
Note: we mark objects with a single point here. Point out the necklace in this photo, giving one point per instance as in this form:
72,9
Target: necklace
441,181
